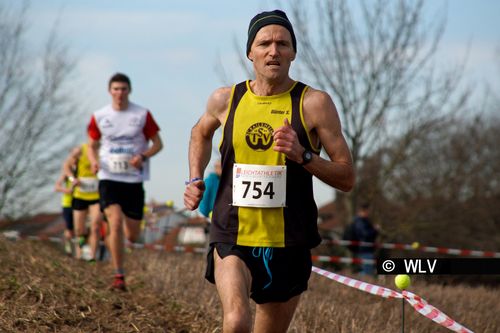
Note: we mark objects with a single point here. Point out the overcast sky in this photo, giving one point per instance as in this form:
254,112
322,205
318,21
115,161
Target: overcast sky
170,50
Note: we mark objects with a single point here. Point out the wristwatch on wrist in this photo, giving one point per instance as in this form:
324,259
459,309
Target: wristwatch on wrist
144,157
307,156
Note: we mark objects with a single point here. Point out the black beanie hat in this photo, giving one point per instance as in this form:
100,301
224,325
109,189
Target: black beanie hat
266,18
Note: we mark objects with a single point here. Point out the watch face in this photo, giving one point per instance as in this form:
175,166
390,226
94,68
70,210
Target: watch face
306,157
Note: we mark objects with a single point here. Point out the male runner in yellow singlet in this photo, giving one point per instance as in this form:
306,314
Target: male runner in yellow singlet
85,198
64,186
264,219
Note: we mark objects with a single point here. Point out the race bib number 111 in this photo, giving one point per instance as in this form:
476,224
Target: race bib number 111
259,185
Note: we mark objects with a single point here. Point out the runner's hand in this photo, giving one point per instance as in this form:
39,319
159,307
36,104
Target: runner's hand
136,161
287,142
193,194
73,181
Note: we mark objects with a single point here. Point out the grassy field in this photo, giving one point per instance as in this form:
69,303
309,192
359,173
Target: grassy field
41,290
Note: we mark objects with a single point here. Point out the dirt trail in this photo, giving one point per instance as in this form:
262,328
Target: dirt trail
41,290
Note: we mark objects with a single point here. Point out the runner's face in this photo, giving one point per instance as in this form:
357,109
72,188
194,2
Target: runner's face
119,93
272,52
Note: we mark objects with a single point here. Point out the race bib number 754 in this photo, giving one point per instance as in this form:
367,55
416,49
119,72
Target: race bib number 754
259,185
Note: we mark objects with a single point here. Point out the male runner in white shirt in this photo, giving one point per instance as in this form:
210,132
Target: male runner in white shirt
119,136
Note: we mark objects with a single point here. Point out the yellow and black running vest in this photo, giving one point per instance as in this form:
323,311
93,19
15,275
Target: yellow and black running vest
83,170
247,139
66,198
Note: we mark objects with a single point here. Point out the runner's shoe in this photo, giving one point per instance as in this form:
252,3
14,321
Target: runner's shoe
67,248
82,240
119,283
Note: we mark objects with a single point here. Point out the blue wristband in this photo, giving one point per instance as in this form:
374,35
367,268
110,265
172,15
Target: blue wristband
192,180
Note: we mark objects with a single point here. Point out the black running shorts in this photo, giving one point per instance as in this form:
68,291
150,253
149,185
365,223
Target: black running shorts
130,197
67,213
79,204
278,274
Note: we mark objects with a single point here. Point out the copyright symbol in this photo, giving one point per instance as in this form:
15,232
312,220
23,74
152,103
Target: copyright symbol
388,266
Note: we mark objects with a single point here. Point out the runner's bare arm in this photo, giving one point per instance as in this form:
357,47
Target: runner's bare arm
200,145
323,123
70,164
59,186
93,155
157,145
322,118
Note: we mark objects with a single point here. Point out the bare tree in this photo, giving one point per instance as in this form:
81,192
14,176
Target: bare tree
37,111
449,192
381,70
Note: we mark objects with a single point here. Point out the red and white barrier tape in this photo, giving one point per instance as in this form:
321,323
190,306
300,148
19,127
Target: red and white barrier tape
42,237
343,260
191,249
418,247
177,248
418,303
157,247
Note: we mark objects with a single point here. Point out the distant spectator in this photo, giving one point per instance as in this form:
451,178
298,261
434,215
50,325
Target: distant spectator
211,186
365,232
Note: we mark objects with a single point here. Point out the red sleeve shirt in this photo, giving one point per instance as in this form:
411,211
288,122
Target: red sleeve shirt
92,129
150,127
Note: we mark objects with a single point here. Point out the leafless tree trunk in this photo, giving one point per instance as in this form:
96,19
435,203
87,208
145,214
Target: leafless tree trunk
38,114
380,70
449,192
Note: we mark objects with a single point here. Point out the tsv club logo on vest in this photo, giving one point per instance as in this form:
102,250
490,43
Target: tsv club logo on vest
259,136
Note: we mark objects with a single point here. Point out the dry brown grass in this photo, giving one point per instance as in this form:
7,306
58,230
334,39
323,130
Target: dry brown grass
43,291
